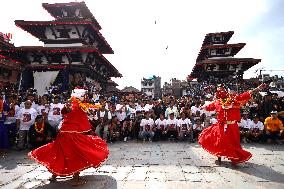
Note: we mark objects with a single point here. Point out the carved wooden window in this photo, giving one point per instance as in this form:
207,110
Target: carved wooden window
36,58
64,33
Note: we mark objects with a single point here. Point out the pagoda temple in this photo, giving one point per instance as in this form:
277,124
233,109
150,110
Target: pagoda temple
216,58
10,69
73,48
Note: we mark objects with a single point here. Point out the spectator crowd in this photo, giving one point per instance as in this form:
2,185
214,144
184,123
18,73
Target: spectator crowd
28,120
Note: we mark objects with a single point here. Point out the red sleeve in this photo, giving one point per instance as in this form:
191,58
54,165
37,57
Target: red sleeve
244,97
210,107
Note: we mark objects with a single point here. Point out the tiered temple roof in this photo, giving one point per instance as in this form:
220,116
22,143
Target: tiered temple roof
72,41
216,57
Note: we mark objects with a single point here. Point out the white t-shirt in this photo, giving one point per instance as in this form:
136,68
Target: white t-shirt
213,120
161,124
55,112
41,109
198,128
194,109
26,117
102,114
172,123
259,125
170,110
184,124
245,123
147,124
12,119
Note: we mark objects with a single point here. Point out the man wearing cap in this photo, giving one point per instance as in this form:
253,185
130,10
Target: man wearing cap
273,127
40,133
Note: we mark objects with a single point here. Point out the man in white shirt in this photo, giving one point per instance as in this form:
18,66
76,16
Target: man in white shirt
160,128
172,127
146,127
103,118
10,122
25,118
244,125
197,129
185,128
54,114
43,107
171,109
256,128
31,98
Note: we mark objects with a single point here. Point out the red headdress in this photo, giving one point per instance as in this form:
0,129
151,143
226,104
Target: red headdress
221,92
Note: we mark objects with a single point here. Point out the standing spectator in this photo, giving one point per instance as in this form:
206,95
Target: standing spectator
146,126
10,123
273,127
171,109
54,114
25,118
31,98
43,107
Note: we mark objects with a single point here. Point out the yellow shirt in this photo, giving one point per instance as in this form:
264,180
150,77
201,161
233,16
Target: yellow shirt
273,124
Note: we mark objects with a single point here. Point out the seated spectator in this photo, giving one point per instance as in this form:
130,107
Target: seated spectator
185,127
136,124
197,128
245,130
126,129
257,128
273,127
146,127
114,130
172,127
103,120
40,133
160,128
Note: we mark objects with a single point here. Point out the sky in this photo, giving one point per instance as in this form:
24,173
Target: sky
163,37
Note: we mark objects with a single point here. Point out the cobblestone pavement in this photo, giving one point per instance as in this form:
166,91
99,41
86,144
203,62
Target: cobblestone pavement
161,165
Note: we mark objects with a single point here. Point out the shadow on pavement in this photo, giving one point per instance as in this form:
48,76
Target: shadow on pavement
92,182
262,172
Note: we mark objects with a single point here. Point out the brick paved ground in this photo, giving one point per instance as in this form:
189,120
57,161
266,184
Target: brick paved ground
156,166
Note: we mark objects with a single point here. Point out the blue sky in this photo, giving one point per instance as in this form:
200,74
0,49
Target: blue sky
140,31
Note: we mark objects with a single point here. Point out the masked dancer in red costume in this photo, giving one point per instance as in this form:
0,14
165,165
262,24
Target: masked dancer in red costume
223,138
74,148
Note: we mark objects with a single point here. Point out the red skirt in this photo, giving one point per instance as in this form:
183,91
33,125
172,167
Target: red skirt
224,143
71,153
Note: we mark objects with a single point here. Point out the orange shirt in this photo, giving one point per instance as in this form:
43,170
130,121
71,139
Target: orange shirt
273,124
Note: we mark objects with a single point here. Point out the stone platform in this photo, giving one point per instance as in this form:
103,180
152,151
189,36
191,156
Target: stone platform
157,165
